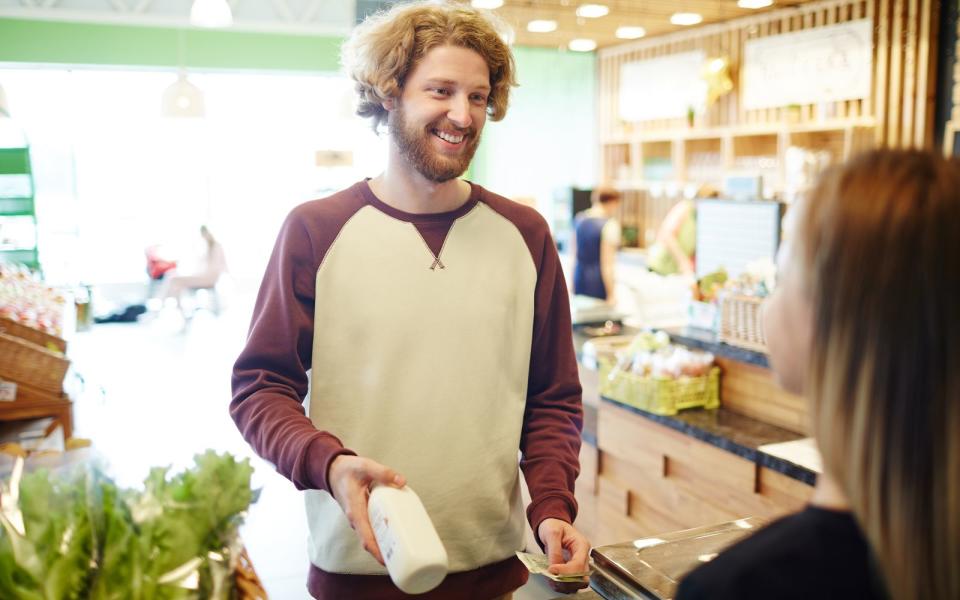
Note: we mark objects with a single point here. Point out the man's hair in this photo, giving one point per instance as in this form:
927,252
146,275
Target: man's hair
604,194
384,49
879,244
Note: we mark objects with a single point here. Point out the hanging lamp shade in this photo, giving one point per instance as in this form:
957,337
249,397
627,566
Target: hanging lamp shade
211,13
182,99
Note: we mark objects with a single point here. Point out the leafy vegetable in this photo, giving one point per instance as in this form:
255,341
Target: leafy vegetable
83,537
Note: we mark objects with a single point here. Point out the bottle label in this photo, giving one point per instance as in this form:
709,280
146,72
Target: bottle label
383,533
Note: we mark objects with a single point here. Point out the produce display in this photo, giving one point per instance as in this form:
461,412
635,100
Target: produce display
78,535
650,354
654,375
27,300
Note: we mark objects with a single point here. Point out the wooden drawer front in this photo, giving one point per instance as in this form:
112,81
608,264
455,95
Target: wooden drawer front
653,479
661,450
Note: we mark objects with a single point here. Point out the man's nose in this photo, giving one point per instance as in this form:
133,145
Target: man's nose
459,113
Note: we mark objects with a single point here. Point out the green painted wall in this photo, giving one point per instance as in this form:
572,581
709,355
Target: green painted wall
547,140
33,41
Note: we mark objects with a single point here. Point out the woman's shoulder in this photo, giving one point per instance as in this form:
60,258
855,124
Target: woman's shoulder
815,553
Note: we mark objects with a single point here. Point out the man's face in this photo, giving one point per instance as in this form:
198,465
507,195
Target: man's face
437,120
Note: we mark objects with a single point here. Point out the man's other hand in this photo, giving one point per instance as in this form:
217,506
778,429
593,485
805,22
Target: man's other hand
568,551
350,479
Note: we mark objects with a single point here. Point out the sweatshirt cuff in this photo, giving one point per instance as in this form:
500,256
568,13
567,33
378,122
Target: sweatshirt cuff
320,454
552,507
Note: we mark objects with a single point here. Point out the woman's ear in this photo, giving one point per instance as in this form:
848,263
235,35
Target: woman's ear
389,104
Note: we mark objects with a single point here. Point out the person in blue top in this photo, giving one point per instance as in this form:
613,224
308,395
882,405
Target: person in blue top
595,244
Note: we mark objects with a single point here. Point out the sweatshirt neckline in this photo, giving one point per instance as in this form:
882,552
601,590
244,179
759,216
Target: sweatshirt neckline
396,213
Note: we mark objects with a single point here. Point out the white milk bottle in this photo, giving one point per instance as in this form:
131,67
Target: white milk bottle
409,544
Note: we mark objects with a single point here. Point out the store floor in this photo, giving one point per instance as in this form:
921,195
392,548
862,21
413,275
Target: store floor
156,393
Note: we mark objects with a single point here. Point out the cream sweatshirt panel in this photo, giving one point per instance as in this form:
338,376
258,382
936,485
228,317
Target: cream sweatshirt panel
426,371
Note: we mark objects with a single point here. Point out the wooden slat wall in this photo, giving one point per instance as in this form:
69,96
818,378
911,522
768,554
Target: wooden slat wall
904,66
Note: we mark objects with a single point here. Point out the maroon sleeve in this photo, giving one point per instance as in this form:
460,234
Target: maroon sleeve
270,376
553,419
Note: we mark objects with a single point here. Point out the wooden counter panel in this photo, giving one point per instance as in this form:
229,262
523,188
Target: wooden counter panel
649,444
751,390
782,490
652,479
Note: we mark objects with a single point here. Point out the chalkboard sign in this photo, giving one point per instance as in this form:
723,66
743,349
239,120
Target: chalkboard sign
732,234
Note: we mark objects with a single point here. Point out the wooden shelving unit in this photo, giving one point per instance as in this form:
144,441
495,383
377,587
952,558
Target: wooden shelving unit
663,158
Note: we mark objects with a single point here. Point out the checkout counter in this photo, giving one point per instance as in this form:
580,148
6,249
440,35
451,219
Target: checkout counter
673,491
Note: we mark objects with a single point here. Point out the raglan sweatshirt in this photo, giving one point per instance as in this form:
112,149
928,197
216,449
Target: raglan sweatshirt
436,344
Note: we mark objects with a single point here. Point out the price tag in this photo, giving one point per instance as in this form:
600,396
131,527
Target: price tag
8,391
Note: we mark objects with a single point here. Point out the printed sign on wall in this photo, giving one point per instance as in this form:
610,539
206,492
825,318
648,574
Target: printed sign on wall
825,64
662,88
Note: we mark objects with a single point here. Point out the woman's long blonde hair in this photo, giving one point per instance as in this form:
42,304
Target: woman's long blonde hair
880,243
383,50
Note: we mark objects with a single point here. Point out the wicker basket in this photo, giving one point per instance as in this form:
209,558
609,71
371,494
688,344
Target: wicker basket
663,396
740,322
25,362
249,586
41,338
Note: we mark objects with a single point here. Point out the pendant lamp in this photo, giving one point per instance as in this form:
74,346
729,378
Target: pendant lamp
211,13
182,99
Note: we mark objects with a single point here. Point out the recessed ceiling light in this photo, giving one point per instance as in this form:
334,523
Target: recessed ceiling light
542,26
487,4
754,3
630,33
686,18
592,11
582,45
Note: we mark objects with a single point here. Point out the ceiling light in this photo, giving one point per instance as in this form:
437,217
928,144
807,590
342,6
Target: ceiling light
686,18
582,45
592,11
754,3
630,33
542,26
211,13
487,4
182,99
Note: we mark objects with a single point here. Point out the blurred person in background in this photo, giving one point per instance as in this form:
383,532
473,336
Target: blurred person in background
596,240
209,267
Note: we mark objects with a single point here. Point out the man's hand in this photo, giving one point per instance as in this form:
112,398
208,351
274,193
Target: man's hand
350,478
568,551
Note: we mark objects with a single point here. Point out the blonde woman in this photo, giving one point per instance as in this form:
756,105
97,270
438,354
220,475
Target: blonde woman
866,324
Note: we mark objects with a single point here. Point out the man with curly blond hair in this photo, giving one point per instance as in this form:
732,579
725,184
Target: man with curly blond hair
434,319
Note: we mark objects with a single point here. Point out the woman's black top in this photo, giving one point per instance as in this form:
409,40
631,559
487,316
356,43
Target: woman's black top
816,553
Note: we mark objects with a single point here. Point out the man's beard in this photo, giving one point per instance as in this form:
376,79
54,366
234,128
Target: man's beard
415,146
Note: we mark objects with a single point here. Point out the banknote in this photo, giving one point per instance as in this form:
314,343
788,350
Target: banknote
539,564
